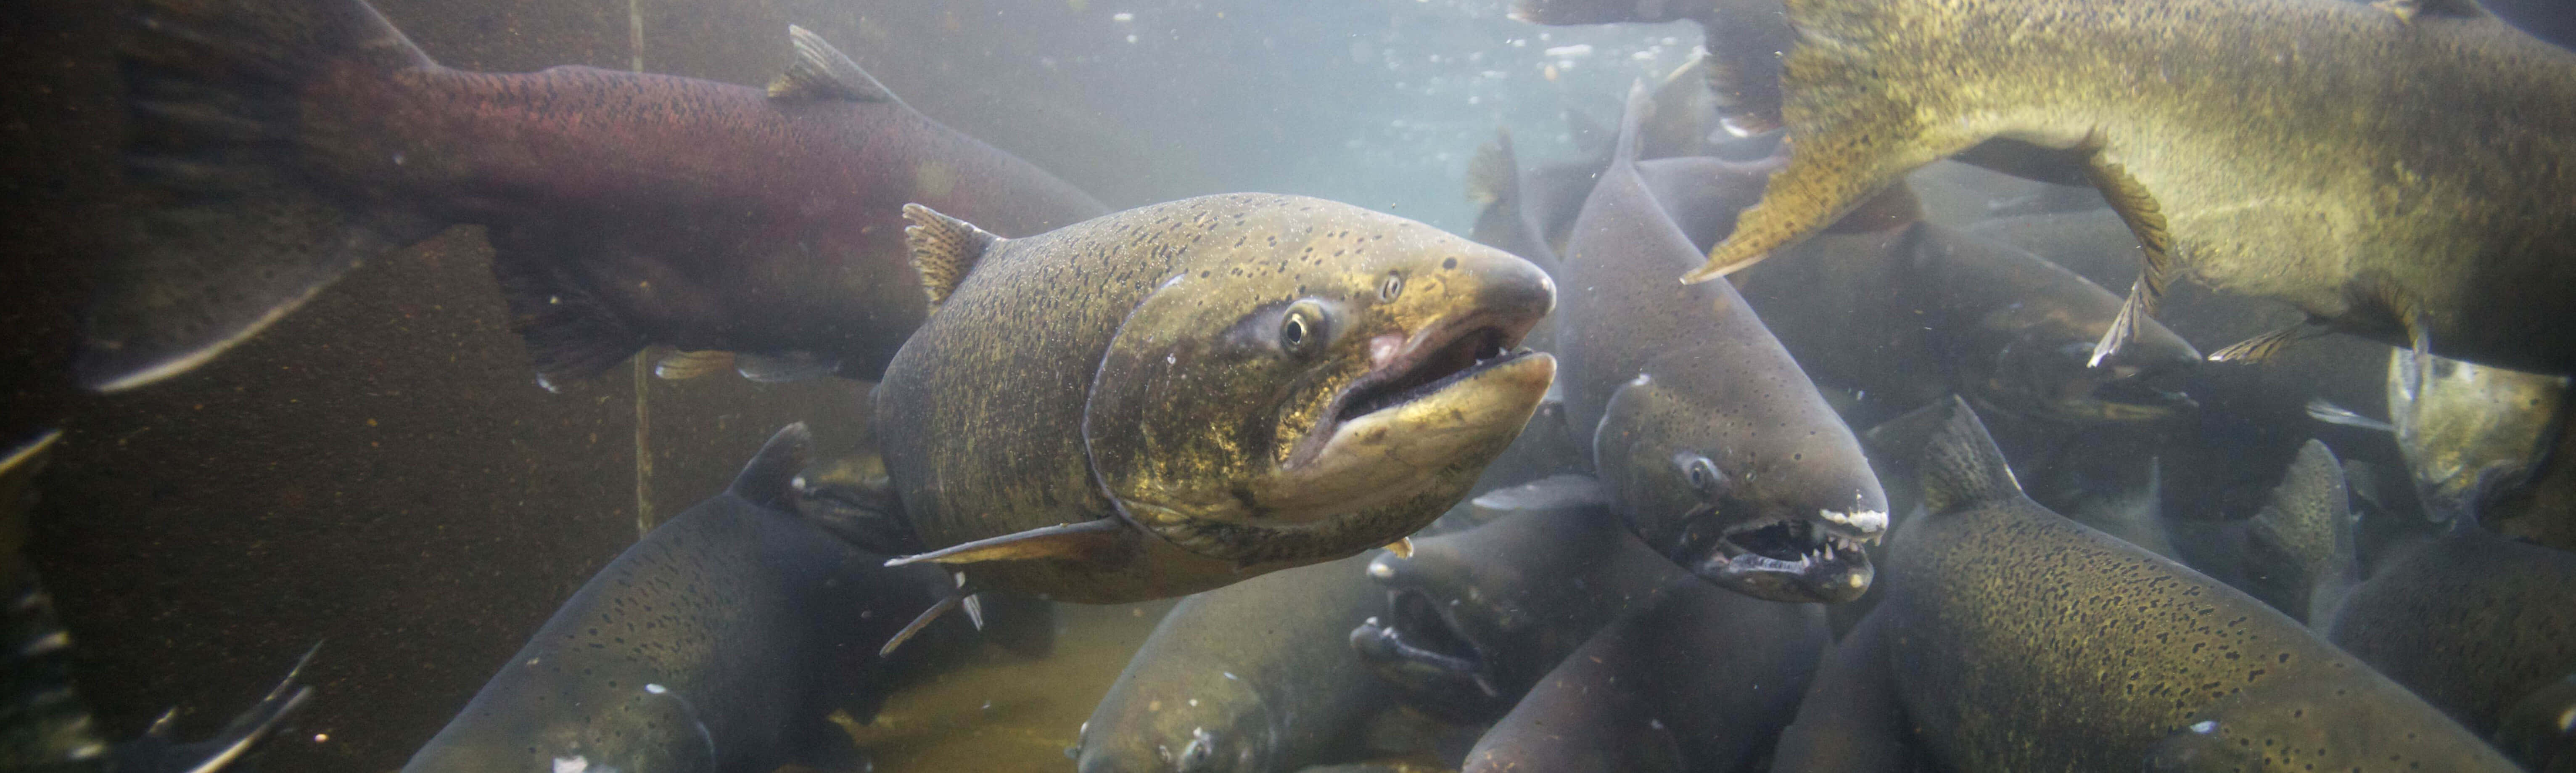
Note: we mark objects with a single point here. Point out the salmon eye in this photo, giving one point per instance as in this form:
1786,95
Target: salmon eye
1701,473
1392,287
1302,330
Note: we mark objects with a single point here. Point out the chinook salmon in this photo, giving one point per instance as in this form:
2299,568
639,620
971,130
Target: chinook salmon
2398,170
1249,678
2016,639
720,642
1714,444
285,143
1176,397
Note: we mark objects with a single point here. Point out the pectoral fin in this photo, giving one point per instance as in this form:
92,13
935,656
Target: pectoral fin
2326,411
961,597
1402,548
687,365
2146,220
1850,137
2263,348
1074,541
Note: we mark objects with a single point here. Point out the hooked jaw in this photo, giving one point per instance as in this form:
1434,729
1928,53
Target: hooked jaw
1422,650
1457,386
1822,558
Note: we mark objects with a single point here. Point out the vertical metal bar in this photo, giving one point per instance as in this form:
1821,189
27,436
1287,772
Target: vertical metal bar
645,518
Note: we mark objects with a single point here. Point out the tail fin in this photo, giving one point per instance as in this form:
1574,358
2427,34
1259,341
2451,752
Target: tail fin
770,479
1962,466
238,233
2307,528
1494,175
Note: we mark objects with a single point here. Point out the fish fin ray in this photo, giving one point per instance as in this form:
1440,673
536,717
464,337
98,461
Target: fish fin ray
681,366
2323,410
2310,505
1743,71
1848,141
1632,119
234,234
1962,466
816,70
769,479
954,599
2146,220
782,368
944,250
2264,347
1494,175
1073,541
570,335
1402,547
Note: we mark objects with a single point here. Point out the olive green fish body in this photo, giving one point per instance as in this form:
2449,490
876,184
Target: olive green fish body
2378,172
2472,622
1242,383
2020,640
1246,678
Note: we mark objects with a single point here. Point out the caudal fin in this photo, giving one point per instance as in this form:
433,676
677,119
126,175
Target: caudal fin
1494,175
237,230
1962,466
2302,538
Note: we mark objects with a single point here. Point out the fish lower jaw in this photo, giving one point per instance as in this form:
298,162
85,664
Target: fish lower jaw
1396,451
1415,634
1788,559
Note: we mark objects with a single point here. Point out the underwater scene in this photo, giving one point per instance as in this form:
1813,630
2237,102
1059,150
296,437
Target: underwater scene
1360,386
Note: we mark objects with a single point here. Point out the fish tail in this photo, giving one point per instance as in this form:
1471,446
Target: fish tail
1743,69
239,226
2307,524
46,725
1494,175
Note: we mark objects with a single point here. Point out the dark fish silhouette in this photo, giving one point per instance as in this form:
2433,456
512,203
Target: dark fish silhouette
721,642
44,725
285,143
1714,444
1249,678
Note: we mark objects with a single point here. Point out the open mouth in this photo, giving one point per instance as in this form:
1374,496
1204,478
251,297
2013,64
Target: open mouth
1416,374
1417,649
1782,559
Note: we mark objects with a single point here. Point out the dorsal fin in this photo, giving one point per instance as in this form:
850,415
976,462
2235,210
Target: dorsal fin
818,71
1962,466
944,249
770,479
1495,173
1623,151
